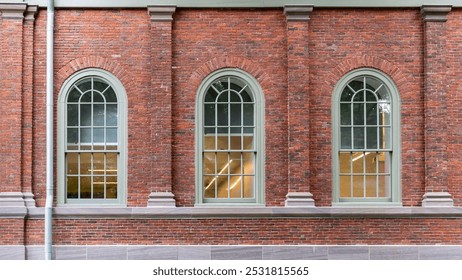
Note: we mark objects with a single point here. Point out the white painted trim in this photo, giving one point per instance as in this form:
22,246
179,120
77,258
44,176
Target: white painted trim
237,3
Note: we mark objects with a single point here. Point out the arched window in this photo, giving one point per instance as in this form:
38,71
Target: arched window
366,139
91,163
230,139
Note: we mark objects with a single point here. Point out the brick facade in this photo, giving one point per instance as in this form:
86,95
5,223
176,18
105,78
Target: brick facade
161,63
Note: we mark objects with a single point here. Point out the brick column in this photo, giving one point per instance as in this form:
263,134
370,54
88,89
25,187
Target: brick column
11,89
161,91
298,17
27,104
435,92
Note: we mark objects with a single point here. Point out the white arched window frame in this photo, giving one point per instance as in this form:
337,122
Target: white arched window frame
366,140
92,140
230,140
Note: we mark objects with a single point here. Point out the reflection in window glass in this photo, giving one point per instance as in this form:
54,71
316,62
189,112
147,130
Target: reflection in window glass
228,155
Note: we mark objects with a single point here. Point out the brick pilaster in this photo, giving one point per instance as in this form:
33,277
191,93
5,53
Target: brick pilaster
298,105
435,100
161,97
11,89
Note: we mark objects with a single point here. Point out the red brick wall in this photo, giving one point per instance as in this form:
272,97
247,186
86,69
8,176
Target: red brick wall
205,40
389,40
12,232
454,103
314,231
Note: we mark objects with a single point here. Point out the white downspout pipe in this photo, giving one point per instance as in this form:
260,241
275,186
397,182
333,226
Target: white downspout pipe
49,132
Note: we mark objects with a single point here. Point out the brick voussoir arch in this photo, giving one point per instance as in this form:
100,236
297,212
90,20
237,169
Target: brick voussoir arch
92,62
218,63
401,79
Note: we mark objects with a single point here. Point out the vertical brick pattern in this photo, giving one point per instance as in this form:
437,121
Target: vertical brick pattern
299,106
454,103
11,90
435,92
28,99
161,106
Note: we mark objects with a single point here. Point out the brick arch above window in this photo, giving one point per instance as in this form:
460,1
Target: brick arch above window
401,79
217,63
97,62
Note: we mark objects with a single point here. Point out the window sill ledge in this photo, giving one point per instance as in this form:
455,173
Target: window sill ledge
244,212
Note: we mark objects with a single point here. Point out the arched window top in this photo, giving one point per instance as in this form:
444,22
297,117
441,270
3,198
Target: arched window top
92,89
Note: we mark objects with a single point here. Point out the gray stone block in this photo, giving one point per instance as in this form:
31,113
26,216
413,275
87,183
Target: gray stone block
237,253
153,253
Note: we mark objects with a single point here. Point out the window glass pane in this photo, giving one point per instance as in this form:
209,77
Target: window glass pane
371,186
211,95
248,142
86,97
72,114
98,164
246,96
72,135
85,187
359,96
98,187
358,162
209,186
236,142
222,143
85,135
111,115
209,163
385,138
345,114
98,114
235,114
222,163
97,97
223,97
358,138
249,163
384,113
222,114
85,163
371,137
358,186
370,161
235,186
209,142
111,163
370,96
220,85
85,115
347,95
345,162
209,114
99,85
345,186
248,114
72,187
371,113
235,163
110,95
84,85
249,186
384,163
98,135
111,187
357,84
235,97
74,95
222,186
384,186
72,163
111,135
383,94
345,138
358,113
